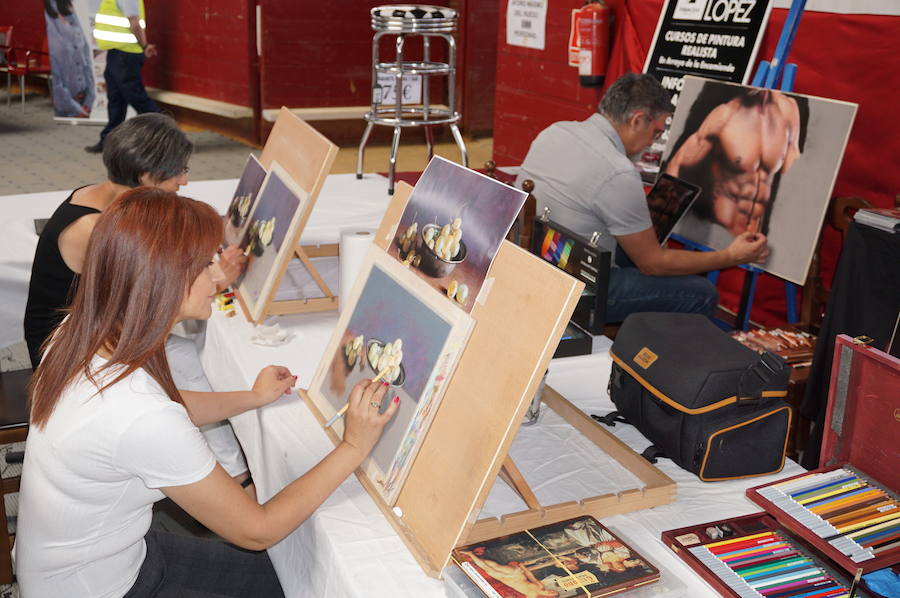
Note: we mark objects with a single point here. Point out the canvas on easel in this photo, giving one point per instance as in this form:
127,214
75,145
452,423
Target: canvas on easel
304,157
393,323
237,221
766,161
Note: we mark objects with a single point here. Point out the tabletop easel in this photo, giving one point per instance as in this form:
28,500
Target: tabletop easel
306,155
486,399
768,74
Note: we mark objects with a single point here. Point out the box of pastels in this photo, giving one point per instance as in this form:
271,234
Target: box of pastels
849,508
753,556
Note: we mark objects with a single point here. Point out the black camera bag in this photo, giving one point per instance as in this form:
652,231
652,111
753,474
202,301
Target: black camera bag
713,406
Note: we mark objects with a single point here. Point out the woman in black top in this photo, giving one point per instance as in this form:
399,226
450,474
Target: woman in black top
147,150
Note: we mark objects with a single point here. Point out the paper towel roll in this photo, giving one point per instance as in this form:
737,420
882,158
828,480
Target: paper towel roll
355,245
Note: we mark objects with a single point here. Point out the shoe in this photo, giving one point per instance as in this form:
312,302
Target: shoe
97,148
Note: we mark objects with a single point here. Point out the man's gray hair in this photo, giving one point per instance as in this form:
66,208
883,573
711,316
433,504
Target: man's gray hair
150,144
632,92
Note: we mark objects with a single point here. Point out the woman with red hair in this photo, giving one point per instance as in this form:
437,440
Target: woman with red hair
110,433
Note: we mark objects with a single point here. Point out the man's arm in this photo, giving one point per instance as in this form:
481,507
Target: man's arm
134,23
793,116
644,250
699,145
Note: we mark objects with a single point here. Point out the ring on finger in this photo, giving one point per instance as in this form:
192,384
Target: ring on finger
375,404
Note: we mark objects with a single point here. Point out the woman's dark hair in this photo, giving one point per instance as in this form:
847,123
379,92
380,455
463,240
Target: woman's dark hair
55,8
150,144
144,254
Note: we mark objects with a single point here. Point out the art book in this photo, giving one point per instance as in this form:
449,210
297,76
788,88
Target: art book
576,557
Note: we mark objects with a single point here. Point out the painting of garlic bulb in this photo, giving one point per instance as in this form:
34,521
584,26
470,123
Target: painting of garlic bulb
273,221
452,227
394,326
242,203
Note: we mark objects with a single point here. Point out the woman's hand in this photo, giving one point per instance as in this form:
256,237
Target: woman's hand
232,261
272,382
363,422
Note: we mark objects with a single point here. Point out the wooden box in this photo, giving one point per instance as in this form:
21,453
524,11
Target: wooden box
828,508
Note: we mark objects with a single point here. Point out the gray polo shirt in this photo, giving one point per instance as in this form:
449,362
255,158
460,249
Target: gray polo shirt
581,172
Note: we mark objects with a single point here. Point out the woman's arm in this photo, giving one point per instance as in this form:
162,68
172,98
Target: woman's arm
218,502
210,407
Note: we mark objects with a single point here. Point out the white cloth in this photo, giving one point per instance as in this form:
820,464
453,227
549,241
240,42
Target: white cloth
89,481
581,172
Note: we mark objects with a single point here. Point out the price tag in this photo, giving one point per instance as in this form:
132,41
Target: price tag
386,93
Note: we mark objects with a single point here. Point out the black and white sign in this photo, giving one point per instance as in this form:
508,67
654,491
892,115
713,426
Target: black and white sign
526,22
386,89
717,39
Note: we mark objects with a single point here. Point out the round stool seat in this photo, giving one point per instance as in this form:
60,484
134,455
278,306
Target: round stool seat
413,18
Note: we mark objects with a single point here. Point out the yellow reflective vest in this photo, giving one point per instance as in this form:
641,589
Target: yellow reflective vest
112,31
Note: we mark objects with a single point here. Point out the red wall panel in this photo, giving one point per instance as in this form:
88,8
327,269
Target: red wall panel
27,19
204,48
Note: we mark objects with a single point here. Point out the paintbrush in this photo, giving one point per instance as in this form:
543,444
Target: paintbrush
343,409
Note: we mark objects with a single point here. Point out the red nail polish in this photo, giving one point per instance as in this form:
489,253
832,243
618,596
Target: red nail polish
396,399
384,384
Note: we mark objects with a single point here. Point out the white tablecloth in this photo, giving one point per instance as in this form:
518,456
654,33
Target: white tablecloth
347,547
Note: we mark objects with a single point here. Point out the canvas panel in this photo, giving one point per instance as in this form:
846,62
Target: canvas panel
471,212
390,304
755,140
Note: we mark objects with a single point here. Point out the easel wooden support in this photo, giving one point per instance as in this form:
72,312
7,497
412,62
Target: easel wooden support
486,399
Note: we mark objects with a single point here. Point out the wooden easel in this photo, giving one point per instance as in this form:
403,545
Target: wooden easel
307,156
486,399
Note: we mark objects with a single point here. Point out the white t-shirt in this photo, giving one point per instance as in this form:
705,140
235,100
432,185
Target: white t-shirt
89,482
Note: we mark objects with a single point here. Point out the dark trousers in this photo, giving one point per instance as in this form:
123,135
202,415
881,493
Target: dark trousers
631,292
124,87
186,567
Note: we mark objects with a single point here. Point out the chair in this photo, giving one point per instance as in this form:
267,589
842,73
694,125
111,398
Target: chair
13,428
22,62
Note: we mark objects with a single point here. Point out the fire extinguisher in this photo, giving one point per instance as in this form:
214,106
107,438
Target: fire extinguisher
592,23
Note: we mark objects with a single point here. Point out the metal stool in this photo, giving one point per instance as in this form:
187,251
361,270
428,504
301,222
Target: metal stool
403,21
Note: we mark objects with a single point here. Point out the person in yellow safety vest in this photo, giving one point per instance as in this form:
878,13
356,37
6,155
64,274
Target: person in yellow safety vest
119,28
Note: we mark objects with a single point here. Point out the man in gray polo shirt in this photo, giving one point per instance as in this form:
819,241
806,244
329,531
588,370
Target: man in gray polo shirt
583,173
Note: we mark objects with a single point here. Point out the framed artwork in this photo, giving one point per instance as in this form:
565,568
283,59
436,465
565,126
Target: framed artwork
272,234
452,226
393,323
766,162
237,221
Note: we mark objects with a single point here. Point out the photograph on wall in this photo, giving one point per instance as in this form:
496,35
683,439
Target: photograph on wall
452,228
237,221
577,557
766,162
395,326
271,237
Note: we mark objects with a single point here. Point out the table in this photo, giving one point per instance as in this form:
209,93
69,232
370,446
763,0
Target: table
348,549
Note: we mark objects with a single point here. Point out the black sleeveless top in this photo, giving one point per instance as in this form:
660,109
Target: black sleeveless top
53,284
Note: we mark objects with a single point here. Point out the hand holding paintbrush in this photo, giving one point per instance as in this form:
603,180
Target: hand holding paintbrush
373,403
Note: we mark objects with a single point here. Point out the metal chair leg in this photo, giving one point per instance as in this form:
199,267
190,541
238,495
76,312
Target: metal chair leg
8,90
362,149
22,89
429,142
392,169
460,144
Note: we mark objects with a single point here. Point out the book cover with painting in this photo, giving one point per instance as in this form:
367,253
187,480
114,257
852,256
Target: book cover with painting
576,557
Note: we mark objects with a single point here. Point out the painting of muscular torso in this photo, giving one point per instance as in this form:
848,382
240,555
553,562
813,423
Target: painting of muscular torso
766,161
